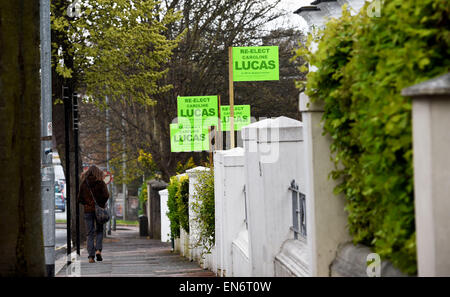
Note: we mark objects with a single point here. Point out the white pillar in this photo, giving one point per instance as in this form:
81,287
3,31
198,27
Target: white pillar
326,218
273,158
195,252
229,180
431,144
165,222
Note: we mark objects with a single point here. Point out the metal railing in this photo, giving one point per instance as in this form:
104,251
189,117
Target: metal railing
298,211
245,205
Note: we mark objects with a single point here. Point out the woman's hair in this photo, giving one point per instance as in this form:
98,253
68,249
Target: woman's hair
94,171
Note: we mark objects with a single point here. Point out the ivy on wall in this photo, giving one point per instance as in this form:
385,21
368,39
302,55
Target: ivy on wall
363,63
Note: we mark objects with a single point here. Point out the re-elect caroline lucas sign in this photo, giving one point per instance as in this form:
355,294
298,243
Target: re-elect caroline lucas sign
195,115
255,63
203,110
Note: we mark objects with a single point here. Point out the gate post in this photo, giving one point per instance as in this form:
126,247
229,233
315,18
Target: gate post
326,218
431,144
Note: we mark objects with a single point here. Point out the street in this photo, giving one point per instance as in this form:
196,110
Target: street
60,215
125,253
60,235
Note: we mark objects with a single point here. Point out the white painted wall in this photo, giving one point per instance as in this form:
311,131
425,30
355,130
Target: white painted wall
240,255
431,144
195,251
218,213
182,243
326,217
165,222
273,158
293,259
229,206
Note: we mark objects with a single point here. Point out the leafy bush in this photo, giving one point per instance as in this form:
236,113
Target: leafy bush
182,199
143,197
172,214
187,165
363,63
178,204
203,206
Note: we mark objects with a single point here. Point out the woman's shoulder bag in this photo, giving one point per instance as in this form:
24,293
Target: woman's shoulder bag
101,214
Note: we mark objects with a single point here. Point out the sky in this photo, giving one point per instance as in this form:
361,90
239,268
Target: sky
291,19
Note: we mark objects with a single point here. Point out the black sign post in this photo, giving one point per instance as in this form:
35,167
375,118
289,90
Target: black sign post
67,110
77,178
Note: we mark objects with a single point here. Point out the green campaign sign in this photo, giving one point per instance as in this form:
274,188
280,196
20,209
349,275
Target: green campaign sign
195,115
241,117
255,63
200,110
184,138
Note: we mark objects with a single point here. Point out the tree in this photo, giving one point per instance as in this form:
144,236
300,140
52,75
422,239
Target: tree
113,49
21,244
276,98
63,75
120,50
199,65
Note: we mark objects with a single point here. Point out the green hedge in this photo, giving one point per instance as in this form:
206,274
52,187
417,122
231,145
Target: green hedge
182,198
178,204
172,214
143,197
204,208
363,63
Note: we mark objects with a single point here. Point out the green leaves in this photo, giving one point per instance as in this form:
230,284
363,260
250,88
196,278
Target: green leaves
172,214
182,199
120,48
178,204
204,208
143,197
363,63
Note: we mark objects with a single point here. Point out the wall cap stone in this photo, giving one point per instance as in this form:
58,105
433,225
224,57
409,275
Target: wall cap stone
294,256
241,242
279,122
351,262
287,130
230,158
434,87
163,192
234,157
305,104
157,184
196,170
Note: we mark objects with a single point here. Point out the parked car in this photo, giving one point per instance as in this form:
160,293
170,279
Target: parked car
59,202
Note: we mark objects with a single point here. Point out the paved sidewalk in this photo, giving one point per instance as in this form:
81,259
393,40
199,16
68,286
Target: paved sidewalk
125,253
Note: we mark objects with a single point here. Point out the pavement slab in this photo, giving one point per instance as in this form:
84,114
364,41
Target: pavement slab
126,254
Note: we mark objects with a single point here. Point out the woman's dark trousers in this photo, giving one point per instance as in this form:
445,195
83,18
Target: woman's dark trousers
94,230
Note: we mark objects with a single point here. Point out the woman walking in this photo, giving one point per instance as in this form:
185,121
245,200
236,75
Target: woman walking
93,187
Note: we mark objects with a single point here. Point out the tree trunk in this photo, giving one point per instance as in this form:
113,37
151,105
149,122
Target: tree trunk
21,244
